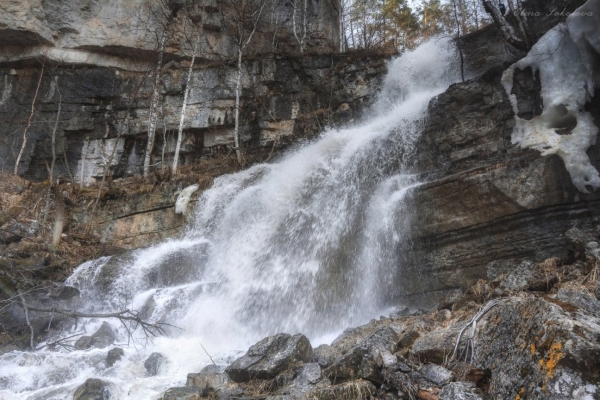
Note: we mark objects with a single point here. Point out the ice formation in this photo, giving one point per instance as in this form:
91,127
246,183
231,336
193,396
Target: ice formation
564,58
184,199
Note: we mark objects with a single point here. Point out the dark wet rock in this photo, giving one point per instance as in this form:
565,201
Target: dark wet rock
210,378
154,363
60,291
183,393
272,355
437,374
103,337
113,356
93,389
83,343
462,391
366,359
325,355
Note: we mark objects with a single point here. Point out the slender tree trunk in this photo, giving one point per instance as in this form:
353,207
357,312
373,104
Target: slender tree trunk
462,61
341,27
153,106
505,28
238,87
53,163
59,216
184,105
16,172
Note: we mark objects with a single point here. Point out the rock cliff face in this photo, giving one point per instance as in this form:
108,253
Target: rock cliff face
89,31
487,203
94,62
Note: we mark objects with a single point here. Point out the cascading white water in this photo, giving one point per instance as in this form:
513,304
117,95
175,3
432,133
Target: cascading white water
307,244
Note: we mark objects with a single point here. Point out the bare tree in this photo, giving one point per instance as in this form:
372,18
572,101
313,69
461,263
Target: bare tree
24,144
241,19
184,105
299,32
154,104
506,29
457,40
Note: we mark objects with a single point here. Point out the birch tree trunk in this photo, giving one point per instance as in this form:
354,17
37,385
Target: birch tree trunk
16,172
238,87
53,163
184,105
505,28
59,216
153,106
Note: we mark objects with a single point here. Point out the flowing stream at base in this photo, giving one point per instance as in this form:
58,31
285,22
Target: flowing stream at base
308,244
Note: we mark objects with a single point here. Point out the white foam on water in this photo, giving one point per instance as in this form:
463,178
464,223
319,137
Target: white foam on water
308,244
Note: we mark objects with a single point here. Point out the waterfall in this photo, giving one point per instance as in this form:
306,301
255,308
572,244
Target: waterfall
306,244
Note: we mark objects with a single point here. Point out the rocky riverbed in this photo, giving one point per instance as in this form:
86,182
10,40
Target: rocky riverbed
532,332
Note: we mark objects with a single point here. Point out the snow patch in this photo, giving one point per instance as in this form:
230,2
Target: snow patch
564,58
184,199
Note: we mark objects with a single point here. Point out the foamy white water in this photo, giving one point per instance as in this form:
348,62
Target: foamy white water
308,244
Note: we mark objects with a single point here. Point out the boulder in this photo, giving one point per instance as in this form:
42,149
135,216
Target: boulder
83,343
271,356
113,356
102,338
183,393
541,347
309,374
325,355
462,391
210,378
365,359
529,276
437,374
154,363
435,346
93,389
60,291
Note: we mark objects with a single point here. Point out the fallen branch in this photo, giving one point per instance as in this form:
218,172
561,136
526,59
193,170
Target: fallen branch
123,316
473,324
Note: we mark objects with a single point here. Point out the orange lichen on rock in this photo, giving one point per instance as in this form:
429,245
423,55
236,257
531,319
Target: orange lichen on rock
554,355
532,349
521,392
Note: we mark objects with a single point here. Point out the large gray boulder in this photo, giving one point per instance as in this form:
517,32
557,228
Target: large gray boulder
93,389
271,356
154,363
366,359
183,393
209,379
102,338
